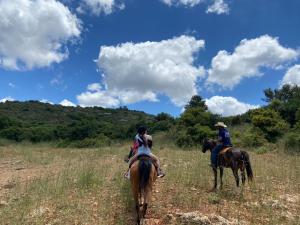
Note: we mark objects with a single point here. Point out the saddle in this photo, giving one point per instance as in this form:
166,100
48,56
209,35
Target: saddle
142,156
224,150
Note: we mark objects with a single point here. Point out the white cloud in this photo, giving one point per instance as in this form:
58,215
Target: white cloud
227,106
189,3
142,71
11,85
34,33
66,102
7,99
292,76
46,101
99,98
98,7
228,69
218,7
94,87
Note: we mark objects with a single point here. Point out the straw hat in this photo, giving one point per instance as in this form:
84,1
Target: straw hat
220,124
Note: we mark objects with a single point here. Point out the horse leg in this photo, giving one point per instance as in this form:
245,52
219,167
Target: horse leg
137,208
145,203
243,174
236,175
216,178
221,177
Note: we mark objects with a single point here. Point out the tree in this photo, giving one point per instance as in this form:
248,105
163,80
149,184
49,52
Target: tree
196,102
269,122
285,100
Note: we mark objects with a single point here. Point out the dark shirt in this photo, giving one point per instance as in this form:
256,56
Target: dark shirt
225,137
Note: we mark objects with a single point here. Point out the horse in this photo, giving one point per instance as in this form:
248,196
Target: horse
142,177
233,158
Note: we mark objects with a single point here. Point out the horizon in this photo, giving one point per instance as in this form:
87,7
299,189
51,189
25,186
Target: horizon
149,56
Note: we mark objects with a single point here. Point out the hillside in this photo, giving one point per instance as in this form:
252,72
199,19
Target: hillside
36,121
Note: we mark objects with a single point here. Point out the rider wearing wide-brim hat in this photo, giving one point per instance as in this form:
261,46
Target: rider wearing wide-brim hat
223,142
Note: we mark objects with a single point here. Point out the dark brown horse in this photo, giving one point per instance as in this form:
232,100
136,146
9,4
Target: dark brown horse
233,158
142,176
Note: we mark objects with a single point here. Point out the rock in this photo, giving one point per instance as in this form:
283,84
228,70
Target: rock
9,185
3,203
40,211
20,168
193,218
197,218
288,215
274,203
290,198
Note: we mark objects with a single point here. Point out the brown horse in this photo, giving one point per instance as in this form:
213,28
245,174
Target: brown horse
142,176
233,158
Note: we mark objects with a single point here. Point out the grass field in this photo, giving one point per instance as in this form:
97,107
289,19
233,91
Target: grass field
40,184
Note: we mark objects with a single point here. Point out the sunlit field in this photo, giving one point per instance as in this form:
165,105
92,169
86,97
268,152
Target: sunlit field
45,185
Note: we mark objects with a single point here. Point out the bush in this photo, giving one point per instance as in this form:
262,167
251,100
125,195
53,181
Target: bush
292,141
100,141
183,139
269,122
39,134
12,133
262,150
252,138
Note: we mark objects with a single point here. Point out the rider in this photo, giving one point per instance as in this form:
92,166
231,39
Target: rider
144,148
223,142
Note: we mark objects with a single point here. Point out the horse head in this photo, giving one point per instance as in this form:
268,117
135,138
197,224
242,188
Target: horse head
207,144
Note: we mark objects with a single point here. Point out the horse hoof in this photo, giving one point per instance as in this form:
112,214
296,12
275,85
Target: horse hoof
213,190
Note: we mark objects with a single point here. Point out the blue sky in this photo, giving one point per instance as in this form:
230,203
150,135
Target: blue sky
174,49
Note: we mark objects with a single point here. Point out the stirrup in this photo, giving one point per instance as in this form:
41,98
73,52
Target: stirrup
127,175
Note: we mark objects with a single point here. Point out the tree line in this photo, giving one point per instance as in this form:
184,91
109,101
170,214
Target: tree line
94,126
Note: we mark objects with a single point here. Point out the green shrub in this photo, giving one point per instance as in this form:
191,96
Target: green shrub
292,141
12,133
269,122
183,139
252,138
100,141
262,150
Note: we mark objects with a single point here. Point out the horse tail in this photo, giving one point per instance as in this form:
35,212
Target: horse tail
246,159
144,173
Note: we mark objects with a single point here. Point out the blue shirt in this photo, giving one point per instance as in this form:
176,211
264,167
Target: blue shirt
225,137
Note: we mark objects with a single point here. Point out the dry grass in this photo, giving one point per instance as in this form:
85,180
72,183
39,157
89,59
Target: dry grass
71,186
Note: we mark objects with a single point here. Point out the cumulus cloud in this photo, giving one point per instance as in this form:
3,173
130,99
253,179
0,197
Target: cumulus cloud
94,87
227,106
98,7
142,71
218,7
34,33
292,76
66,102
46,101
247,59
7,99
189,3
